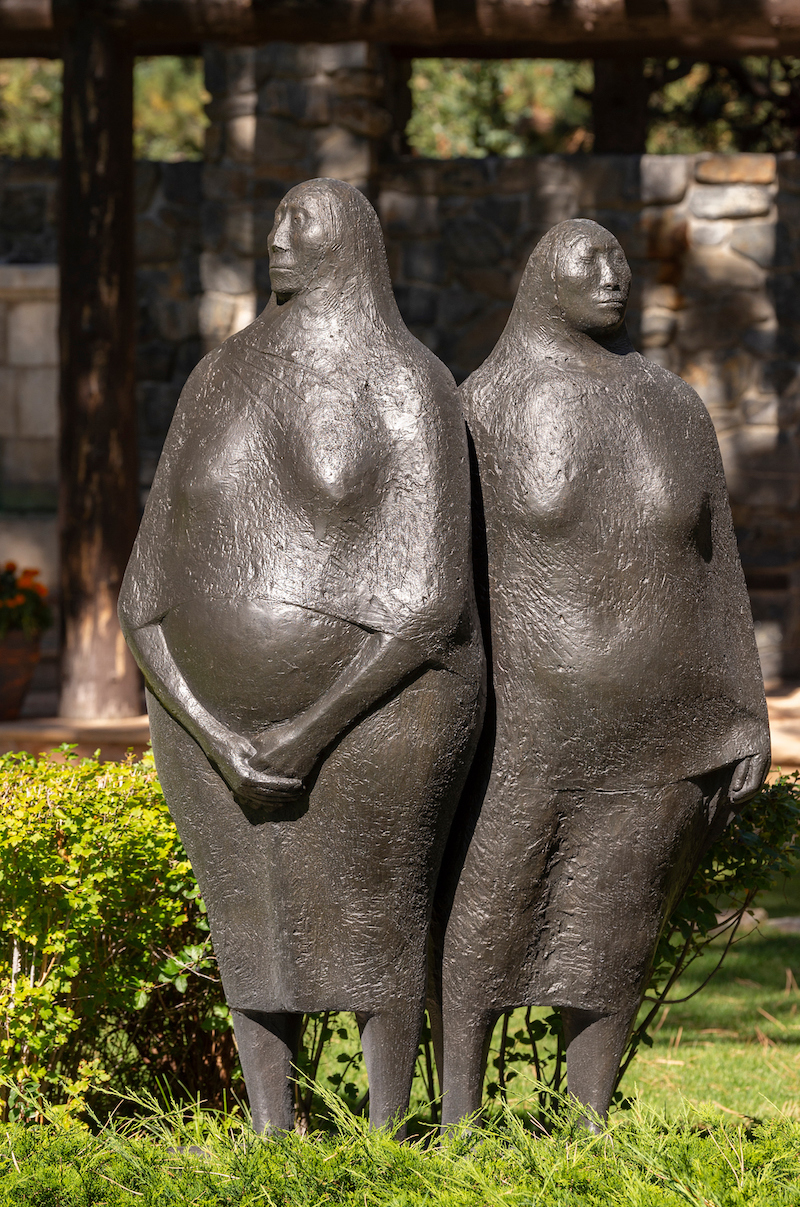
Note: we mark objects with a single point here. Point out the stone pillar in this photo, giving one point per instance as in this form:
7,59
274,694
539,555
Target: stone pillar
283,113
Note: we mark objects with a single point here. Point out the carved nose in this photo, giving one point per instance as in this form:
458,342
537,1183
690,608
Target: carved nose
276,239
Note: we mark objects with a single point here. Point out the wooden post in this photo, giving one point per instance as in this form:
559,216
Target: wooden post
619,106
98,506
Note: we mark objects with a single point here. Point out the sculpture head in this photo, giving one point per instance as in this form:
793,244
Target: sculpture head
300,240
574,291
592,279
326,247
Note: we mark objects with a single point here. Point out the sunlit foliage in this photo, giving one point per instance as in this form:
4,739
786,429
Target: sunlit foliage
169,117
514,107
751,104
30,107
474,108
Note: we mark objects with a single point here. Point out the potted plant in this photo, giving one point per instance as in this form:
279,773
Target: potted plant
23,615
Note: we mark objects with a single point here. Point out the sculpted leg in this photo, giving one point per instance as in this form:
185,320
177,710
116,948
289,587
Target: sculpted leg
267,1046
595,1044
390,1040
466,1048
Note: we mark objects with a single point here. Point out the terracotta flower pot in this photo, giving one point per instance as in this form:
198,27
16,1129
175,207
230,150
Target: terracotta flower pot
19,654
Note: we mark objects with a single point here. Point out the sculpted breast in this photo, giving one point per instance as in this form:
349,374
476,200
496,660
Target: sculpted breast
332,457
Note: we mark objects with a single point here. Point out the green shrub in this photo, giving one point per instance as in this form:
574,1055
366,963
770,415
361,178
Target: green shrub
105,962
107,974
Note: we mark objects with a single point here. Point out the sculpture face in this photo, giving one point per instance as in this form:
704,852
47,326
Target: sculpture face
592,283
297,243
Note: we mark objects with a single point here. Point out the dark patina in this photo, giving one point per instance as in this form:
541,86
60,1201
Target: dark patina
300,601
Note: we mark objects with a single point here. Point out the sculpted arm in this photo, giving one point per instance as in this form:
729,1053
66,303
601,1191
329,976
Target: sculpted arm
293,747
751,771
228,752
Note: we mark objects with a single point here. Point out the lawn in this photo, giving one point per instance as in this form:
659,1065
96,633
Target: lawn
715,1122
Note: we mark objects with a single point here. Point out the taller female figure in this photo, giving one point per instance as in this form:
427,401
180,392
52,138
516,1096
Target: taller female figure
628,717
300,602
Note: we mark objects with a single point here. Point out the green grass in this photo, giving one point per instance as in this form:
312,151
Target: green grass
715,1122
640,1162
737,1043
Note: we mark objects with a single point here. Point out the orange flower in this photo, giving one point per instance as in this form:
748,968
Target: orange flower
40,589
17,600
10,567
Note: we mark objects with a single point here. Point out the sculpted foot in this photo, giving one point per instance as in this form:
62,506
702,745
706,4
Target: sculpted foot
595,1044
267,1046
466,1048
390,1041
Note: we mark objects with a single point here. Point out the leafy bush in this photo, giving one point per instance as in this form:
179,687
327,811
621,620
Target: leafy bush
105,961
107,974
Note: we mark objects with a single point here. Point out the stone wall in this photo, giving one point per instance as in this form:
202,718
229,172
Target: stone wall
169,243
713,243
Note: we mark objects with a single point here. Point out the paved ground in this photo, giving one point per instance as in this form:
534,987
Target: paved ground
784,724
39,730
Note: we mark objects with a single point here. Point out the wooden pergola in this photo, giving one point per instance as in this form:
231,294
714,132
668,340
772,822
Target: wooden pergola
98,40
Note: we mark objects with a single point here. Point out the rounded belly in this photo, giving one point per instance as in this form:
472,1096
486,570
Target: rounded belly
255,662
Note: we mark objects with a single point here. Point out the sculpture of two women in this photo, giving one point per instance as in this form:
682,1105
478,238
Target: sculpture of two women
300,600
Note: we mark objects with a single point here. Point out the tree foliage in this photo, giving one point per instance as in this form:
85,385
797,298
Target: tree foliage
474,108
30,108
169,118
750,104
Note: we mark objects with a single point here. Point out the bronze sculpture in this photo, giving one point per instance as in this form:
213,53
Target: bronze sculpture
628,715
300,602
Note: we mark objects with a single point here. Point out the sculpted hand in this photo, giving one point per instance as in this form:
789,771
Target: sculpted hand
249,784
286,750
748,777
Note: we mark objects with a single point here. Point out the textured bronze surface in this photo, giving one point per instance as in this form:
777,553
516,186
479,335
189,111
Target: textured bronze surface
300,601
626,713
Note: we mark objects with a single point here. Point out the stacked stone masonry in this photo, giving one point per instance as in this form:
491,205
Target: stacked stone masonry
713,241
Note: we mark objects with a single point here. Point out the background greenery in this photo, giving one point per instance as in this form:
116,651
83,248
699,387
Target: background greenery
534,106
462,107
169,119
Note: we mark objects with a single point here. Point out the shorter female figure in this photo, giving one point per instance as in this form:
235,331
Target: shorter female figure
300,602
628,715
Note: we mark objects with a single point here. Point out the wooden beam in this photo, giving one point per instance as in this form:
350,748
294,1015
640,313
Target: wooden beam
98,506
591,28
716,29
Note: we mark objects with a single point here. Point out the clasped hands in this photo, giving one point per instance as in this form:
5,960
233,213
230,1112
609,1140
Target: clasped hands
269,769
